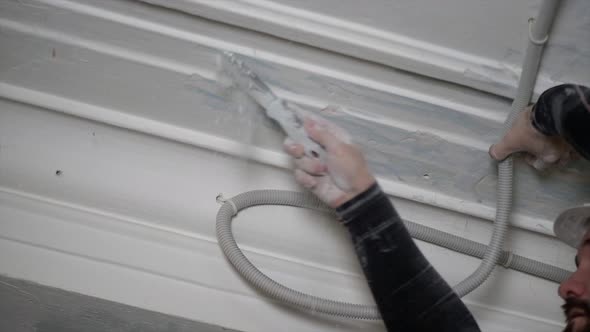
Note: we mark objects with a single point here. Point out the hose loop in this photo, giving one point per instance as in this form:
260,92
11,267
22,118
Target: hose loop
315,304
532,38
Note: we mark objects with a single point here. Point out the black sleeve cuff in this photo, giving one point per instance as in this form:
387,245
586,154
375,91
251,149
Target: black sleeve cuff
366,211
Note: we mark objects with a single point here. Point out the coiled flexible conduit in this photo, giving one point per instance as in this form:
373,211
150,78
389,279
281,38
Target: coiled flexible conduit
492,255
538,36
315,304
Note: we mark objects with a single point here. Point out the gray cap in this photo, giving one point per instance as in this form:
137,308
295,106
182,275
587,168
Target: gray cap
572,224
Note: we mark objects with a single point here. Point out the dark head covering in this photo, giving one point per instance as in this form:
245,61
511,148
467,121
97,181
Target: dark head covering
565,110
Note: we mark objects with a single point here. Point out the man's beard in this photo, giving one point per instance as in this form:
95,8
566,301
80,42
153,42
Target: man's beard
571,305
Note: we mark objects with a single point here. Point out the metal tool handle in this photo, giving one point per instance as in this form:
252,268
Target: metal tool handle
276,108
292,125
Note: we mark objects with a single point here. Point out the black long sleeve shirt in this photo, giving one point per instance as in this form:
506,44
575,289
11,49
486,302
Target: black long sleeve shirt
409,292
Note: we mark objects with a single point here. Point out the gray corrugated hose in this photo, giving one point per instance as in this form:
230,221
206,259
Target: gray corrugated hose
312,303
265,284
492,254
538,31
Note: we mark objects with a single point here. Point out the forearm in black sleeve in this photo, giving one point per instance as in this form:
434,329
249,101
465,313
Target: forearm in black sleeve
564,110
409,292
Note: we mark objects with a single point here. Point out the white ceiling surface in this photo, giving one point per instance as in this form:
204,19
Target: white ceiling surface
476,43
131,216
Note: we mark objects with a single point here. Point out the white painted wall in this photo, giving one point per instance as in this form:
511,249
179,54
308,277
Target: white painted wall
120,96
476,43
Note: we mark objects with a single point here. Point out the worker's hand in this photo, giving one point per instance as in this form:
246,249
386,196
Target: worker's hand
342,175
541,151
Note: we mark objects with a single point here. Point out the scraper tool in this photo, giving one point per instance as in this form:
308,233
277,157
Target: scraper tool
287,116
